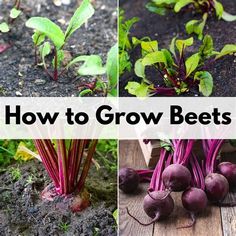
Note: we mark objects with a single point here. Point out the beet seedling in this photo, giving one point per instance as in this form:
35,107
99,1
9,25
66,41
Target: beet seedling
178,72
92,65
49,37
124,42
205,7
5,26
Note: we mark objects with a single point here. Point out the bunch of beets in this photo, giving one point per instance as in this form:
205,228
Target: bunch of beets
179,170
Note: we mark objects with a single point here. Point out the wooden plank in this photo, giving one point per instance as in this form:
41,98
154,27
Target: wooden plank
130,155
208,223
228,214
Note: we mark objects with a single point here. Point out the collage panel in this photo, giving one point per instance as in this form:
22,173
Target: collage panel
177,48
58,48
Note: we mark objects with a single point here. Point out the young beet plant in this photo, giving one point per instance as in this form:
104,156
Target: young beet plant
204,7
5,27
67,163
179,72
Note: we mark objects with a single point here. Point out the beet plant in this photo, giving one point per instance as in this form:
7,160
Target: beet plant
67,163
179,72
206,8
5,26
124,42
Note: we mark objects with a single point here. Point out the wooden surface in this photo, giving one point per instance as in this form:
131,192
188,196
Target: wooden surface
213,222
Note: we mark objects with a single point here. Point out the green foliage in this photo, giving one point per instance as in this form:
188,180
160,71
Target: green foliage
9,150
115,215
64,226
124,42
4,27
14,13
93,66
47,33
107,154
178,71
15,173
204,7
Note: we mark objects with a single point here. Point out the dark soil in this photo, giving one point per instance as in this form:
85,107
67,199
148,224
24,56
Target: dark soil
23,212
164,28
19,76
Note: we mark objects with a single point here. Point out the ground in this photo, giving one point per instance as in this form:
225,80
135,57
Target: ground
164,28
22,211
20,77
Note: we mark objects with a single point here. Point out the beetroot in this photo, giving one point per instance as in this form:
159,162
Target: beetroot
228,170
216,187
157,206
128,180
194,200
176,177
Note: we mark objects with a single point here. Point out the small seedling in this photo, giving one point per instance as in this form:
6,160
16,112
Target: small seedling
92,65
178,71
49,37
124,42
64,226
205,7
14,13
15,173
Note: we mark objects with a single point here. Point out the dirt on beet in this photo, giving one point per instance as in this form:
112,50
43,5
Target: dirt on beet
23,212
164,28
18,74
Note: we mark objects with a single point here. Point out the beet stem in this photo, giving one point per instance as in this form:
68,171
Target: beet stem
144,224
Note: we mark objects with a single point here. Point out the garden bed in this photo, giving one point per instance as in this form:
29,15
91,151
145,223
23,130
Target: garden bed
20,77
164,28
24,213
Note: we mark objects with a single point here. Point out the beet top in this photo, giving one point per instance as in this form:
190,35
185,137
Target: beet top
128,180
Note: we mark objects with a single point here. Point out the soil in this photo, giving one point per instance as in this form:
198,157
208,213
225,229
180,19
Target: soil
164,28
18,74
23,212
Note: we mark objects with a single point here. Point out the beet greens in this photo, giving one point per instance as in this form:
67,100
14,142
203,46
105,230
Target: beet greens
176,71
206,8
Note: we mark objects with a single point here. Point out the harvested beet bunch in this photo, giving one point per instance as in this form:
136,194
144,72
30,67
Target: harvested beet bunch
180,170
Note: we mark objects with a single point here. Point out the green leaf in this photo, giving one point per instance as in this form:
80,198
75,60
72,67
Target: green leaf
92,65
169,59
115,215
192,63
4,28
85,92
14,13
228,17
47,27
81,15
207,46
139,68
153,58
152,7
137,89
206,82
112,68
148,47
218,8
227,49
38,38
182,44
172,46
182,3
44,50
